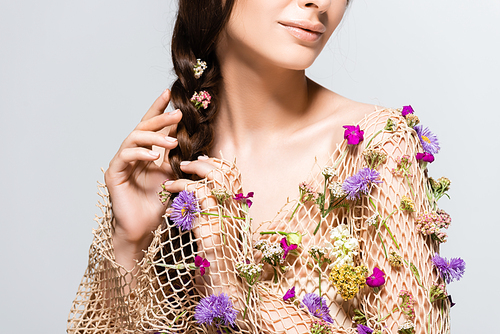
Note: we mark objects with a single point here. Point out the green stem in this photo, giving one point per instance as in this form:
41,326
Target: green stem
248,301
319,275
384,222
373,204
375,135
429,323
216,214
317,226
293,213
221,224
409,185
383,244
339,160
275,280
274,232
387,316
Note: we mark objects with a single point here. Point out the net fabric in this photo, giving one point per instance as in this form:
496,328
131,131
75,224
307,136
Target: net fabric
153,297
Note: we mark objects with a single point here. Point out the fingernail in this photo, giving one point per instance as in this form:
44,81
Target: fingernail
170,139
167,183
174,112
203,157
154,154
184,163
165,93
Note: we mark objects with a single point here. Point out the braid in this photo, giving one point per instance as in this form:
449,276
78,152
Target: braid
197,28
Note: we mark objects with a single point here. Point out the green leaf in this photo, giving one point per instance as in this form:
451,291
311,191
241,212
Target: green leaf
414,270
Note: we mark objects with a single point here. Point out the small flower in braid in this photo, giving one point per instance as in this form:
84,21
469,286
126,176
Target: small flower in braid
201,99
199,68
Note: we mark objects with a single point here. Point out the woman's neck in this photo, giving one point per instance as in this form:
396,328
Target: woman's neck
260,103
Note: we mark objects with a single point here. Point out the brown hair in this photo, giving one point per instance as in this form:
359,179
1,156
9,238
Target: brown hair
196,31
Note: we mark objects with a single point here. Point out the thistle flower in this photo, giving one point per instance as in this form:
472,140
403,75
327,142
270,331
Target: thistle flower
164,194
216,310
425,157
360,183
317,307
408,327
320,327
428,139
376,279
199,68
390,125
437,292
201,264
407,110
286,247
374,158
245,199
201,99
407,304
184,209
407,204
412,120
451,270
395,260
221,195
307,193
353,134
289,294
348,279
362,329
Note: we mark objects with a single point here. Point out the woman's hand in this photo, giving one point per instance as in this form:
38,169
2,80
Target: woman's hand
134,180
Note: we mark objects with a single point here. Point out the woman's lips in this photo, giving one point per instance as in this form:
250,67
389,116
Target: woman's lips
304,31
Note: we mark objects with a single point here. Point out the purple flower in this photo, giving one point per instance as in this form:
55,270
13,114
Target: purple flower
376,279
353,134
360,183
407,110
215,309
427,157
201,263
184,209
289,294
429,140
362,329
317,307
243,198
286,248
449,270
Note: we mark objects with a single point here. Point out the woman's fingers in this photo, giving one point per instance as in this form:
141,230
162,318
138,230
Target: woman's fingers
147,139
158,107
161,121
126,156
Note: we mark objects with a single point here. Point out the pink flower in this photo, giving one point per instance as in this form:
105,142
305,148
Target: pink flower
243,198
427,157
201,99
407,110
201,263
289,294
286,248
376,279
353,134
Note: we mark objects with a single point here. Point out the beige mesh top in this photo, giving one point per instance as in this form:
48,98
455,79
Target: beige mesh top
157,298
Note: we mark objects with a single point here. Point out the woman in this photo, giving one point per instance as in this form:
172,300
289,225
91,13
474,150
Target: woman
248,120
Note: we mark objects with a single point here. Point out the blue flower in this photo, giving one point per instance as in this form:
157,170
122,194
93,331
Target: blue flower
216,310
184,209
317,307
449,270
360,183
429,140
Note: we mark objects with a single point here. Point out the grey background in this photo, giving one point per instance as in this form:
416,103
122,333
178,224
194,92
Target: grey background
76,77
